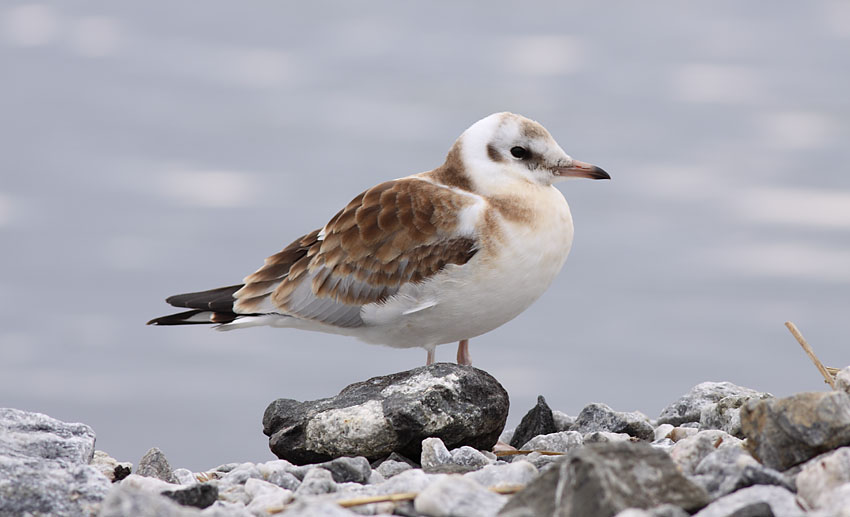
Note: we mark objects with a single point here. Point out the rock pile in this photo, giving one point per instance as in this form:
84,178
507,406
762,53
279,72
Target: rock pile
719,451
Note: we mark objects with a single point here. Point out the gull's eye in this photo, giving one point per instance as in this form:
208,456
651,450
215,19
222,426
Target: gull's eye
520,152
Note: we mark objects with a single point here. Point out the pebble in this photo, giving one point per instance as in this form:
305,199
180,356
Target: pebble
242,473
688,408
563,421
154,464
687,453
317,481
517,473
184,477
414,480
345,469
725,414
604,479
728,469
434,453
605,437
664,510
457,496
835,503
541,461
665,444
110,467
285,480
663,431
265,496
471,458
784,432
124,500
376,478
680,433
600,417
564,441
390,468
842,380
751,501
823,474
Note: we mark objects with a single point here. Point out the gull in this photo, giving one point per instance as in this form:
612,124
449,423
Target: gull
428,259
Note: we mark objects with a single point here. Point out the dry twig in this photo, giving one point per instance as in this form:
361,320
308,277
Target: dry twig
395,498
514,453
811,353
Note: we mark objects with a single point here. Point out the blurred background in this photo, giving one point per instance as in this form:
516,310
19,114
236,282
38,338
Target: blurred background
152,148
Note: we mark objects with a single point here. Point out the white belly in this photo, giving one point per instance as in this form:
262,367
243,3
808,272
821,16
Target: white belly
503,279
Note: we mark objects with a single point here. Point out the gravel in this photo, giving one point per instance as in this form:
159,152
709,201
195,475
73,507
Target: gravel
795,461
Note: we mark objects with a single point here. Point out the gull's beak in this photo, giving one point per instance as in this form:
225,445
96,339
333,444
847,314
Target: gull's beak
579,169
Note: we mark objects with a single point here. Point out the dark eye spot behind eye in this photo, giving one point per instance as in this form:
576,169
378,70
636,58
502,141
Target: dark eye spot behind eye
520,152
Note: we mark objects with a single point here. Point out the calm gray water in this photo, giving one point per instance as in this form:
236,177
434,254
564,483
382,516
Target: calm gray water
152,148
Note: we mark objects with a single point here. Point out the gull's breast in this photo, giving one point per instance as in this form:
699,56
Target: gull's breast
523,245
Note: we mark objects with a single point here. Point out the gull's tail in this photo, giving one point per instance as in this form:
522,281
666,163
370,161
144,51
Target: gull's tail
208,307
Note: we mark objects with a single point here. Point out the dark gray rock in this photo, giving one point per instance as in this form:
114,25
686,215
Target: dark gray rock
784,432
689,407
600,417
44,466
537,421
459,404
604,479
345,469
730,468
201,495
154,465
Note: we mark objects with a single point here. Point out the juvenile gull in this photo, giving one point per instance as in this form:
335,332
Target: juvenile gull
428,259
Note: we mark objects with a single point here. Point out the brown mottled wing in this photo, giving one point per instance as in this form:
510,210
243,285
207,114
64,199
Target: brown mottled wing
397,232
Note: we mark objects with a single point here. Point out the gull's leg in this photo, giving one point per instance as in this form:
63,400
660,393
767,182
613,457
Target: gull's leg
463,356
431,354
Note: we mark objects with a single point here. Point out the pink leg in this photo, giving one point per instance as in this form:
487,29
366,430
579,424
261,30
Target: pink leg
430,359
463,356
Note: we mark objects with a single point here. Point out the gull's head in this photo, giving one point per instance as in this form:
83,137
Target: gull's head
504,148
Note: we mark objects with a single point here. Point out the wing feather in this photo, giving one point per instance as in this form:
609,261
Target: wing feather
397,232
